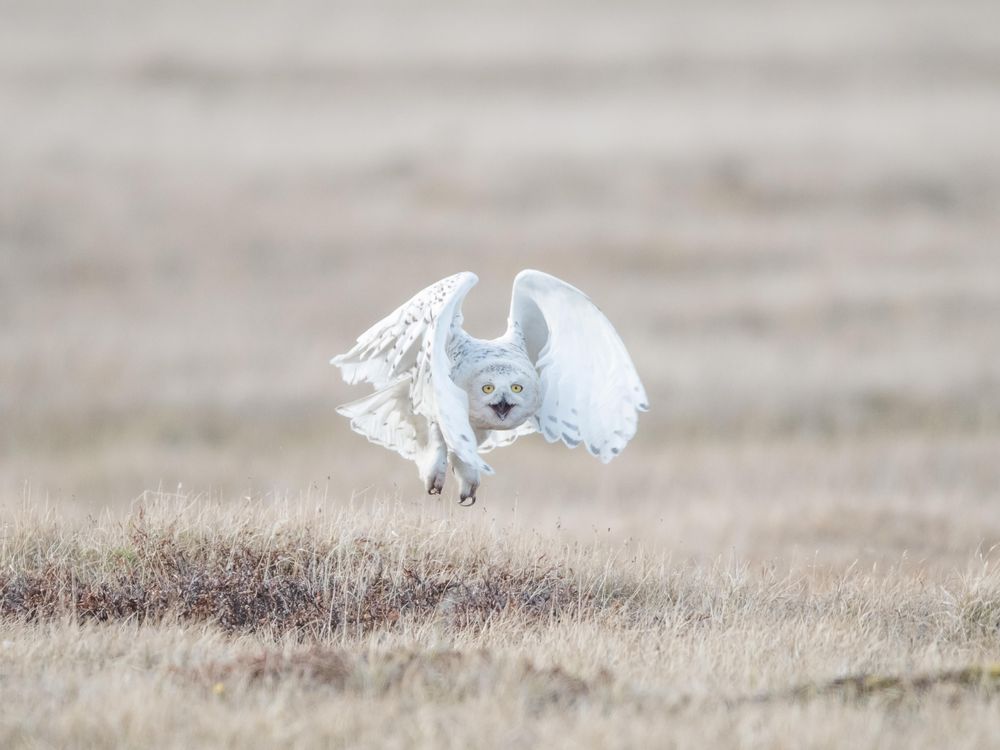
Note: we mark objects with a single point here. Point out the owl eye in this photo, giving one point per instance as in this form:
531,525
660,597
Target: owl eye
489,388
517,388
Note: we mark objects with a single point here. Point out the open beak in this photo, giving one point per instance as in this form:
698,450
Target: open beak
502,408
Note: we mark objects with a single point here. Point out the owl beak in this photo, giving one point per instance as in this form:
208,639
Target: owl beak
502,408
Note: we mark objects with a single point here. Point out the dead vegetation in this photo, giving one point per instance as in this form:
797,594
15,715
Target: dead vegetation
296,583
325,622
448,674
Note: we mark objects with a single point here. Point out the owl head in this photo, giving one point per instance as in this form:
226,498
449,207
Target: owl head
502,395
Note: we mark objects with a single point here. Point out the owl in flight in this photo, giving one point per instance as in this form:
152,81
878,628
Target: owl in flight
441,395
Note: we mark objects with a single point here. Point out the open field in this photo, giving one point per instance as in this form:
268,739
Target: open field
188,625
790,211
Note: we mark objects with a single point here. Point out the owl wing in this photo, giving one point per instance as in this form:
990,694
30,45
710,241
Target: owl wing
591,393
405,357
386,419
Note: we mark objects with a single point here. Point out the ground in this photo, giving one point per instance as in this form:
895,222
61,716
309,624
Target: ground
788,211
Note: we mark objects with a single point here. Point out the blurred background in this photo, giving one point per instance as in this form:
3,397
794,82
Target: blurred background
790,211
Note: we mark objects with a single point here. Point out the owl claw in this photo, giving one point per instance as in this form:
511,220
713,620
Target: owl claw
468,494
435,485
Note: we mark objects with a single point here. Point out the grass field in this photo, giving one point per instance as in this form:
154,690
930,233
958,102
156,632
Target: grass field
790,212
192,624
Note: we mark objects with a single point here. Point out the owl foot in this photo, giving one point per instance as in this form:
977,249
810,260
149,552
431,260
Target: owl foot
435,483
468,496
433,461
468,478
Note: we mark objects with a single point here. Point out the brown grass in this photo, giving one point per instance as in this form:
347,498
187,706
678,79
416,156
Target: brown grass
291,583
332,624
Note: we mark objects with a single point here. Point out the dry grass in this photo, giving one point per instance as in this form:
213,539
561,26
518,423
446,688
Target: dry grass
790,211
412,626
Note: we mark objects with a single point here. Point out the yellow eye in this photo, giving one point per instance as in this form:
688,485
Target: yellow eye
516,388
488,388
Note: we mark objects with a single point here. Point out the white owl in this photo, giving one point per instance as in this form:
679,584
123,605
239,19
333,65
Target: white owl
560,369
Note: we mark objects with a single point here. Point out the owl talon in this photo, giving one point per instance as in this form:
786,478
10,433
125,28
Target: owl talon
435,484
434,468
470,498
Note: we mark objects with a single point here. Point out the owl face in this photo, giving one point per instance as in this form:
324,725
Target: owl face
502,397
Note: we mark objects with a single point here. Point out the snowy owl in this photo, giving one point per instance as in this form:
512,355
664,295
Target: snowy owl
560,369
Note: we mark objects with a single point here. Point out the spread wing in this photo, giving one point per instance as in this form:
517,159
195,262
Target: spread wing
591,393
405,357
